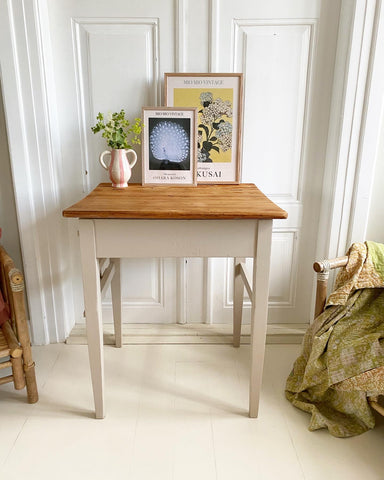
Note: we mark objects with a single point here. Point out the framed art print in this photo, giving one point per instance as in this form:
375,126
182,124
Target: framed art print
218,98
169,145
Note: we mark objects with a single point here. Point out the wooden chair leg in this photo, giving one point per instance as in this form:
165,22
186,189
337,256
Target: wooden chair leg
23,367
321,292
15,353
30,380
18,373
28,366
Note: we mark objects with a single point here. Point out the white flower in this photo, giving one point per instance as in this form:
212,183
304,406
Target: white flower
215,110
224,129
224,135
206,97
201,156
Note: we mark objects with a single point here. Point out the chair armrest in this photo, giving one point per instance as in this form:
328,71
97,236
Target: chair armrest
325,265
322,268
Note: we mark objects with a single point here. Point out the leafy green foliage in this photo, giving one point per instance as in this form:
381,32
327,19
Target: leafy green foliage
118,131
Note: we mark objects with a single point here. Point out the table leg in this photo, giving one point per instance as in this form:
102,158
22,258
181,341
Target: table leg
259,311
116,302
92,301
238,297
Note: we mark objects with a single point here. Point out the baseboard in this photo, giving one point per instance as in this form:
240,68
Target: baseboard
193,333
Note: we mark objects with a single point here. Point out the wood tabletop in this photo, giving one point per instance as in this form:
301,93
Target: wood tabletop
243,201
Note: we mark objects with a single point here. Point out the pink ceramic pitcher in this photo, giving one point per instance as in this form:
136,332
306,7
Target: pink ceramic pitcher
119,167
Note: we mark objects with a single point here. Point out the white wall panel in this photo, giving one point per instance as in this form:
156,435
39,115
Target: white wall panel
108,56
196,286
108,71
143,281
105,83
285,50
226,12
282,281
193,35
275,60
283,277
149,292
275,56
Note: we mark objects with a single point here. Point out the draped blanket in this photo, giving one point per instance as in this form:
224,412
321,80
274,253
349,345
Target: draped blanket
342,358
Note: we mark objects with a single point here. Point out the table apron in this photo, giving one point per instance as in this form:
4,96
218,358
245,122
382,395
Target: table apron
126,238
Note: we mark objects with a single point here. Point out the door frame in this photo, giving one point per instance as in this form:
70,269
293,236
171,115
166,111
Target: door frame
355,127
29,103
34,144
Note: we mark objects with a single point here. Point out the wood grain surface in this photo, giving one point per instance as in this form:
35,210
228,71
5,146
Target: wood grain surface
176,202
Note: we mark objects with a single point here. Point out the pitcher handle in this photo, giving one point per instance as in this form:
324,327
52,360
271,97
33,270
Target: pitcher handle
101,159
133,163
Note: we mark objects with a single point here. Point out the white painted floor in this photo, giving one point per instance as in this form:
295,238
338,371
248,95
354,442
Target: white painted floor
173,412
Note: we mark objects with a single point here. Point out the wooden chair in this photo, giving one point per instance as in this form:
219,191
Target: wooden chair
15,344
323,268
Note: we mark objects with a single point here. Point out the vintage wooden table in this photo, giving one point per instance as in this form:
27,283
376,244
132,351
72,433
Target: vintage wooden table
169,221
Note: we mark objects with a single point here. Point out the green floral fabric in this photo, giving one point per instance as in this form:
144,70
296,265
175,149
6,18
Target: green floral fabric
376,253
345,341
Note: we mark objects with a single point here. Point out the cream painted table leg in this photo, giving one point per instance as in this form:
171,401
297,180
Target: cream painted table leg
116,302
238,297
259,313
92,301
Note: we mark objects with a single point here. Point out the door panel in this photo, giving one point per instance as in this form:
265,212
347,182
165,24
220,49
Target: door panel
106,57
276,101
149,291
286,51
108,68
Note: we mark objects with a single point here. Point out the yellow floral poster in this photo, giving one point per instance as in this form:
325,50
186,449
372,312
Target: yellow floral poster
215,127
218,99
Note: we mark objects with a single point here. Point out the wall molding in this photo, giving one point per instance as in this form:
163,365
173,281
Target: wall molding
190,334
182,285
82,29
214,14
186,12
30,109
275,302
371,133
242,28
181,36
344,184
155,296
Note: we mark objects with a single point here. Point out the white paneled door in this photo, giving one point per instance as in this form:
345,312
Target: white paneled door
108,56
287,52
102,56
